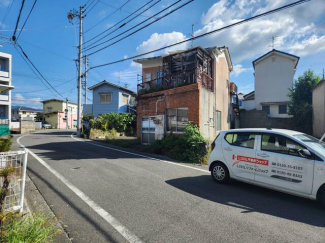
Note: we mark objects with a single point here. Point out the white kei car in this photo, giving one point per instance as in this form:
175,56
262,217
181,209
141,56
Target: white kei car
278,159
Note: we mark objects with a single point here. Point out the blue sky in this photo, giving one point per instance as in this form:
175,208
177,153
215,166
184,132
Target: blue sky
50,40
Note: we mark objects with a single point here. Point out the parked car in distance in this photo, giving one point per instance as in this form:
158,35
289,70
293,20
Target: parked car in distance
283,160
46,126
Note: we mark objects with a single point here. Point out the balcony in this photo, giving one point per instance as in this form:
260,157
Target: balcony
4,97
4,74
176,80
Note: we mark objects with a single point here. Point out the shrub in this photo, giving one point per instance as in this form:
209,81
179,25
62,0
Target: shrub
28,229
190,146
5,144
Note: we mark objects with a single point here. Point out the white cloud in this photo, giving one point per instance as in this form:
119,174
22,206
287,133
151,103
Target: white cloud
159,40
246,88
19,99
238,69
125,56
294,27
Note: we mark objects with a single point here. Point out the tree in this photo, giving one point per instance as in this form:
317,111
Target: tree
300,105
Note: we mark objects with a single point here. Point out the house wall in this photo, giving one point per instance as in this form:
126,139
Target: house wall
87,109
5,77
249,105
207,115
123,107
319,110
20,114
99,108
56,106
52,119
152,70
185,96
61,121
221,89
273,79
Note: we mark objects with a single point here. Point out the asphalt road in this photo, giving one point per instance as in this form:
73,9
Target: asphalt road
159,201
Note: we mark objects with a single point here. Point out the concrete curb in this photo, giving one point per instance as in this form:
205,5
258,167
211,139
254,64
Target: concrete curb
34,202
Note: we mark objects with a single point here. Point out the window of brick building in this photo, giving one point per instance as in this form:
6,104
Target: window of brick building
177,119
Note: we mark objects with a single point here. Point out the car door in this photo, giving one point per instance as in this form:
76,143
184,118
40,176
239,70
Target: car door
239,152
282,165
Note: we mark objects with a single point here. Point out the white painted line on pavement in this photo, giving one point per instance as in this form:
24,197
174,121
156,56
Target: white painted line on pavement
128,235
139,155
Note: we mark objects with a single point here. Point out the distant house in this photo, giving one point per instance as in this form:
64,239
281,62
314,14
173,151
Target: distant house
274,73
5,93
109,97
319,109
24,113
55,113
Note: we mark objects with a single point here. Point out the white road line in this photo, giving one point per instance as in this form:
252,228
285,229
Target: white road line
139,155
128,235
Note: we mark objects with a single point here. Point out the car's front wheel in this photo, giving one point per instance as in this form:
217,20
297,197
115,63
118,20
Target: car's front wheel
220,173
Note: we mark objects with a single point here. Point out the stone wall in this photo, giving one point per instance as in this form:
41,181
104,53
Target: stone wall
27,126
260,119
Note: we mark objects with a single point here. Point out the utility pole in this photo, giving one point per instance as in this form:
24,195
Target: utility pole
67,113
71,16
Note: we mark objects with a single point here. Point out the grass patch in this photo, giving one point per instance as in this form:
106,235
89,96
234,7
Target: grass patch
38,228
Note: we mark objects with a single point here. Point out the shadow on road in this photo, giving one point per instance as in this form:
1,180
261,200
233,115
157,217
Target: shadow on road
251,198
77,210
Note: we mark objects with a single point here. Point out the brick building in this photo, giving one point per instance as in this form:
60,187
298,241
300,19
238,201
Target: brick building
185,86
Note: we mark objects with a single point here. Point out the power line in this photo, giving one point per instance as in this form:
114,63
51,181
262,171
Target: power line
38,71
87,12
205,34
7,11
89,47
107,16
145,26
120,21
122,10
30,12
122,25
17,22
44,49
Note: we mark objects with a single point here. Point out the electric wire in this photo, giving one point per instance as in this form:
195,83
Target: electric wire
30,12
18,19
7,12
107,16
119,21
28,59
153,16
122,10
124,24
205,34
145,26
88,11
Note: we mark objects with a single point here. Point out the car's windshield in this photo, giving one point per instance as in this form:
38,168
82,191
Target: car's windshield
312,142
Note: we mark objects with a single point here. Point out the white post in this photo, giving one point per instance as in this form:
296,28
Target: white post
23,181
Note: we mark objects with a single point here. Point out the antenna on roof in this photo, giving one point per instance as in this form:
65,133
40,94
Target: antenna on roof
192,34
274,43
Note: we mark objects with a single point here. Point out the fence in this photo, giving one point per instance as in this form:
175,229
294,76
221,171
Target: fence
14,199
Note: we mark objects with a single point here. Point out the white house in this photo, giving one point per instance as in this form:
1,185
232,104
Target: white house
274,73
5,88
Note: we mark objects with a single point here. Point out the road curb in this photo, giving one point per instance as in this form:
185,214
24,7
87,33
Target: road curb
35,202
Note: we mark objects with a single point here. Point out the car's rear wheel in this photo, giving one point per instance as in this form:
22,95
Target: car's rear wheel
321,195
220,173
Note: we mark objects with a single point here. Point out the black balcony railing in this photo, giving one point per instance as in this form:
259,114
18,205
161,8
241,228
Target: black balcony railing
174,81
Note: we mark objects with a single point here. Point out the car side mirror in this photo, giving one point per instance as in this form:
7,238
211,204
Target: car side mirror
304,153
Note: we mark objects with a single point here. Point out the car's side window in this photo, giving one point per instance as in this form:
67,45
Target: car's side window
280,144
241,139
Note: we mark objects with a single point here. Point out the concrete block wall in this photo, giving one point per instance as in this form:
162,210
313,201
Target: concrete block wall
27,126
260,119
